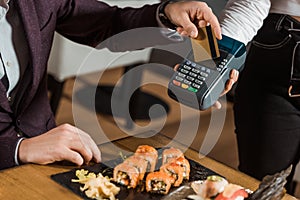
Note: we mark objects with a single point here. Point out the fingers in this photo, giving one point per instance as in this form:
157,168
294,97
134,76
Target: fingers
72,156
84,145
228,86
95,151
176,67
182,32
188,28
202,23
233,77
234,74
217,105
205,17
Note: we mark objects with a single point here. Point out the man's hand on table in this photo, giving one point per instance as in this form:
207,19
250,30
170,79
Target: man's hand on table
64,142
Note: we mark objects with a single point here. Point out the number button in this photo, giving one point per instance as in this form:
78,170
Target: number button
181,74
193,74
196,70
198,82
187,82
187,67
179,78
190,78
201,78
204,74
184,71
196,86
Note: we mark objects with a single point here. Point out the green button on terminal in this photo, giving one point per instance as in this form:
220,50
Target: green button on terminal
192,89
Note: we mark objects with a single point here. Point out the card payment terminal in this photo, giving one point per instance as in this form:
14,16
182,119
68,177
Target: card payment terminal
206,79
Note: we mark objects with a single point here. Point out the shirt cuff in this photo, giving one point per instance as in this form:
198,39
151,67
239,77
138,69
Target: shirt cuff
17,150
160,24
161,18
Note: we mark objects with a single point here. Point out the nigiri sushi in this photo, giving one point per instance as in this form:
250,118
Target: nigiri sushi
212,186
232,192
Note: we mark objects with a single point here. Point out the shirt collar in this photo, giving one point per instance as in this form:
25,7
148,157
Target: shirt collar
4,3
3,8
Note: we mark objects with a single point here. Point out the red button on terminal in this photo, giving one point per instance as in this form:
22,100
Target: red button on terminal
176,83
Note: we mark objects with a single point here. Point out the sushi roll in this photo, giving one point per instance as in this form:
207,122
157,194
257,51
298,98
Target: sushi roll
171,153
149,154
126,174
146,149
175,171
183,162
139,163
158,182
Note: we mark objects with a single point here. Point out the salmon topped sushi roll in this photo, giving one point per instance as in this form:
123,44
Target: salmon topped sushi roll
171,153
126,174
183,162
139,163
175,171
148,153
158,182
146,149
151,160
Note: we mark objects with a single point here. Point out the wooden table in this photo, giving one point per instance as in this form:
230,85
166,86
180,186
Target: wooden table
30,182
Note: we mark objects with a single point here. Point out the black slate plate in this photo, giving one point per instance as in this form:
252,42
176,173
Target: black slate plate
198,172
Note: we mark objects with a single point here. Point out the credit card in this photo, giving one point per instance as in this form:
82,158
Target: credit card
205,46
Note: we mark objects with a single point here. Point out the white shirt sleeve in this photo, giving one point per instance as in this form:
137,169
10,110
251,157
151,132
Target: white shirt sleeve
241,19
16,151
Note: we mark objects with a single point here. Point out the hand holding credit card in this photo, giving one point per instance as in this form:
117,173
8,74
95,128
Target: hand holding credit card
202,75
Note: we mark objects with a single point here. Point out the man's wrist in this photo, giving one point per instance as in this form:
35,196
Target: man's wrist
162,17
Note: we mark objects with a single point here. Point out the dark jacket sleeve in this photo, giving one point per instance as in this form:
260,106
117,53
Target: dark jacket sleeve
35,120
8,140
90,21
